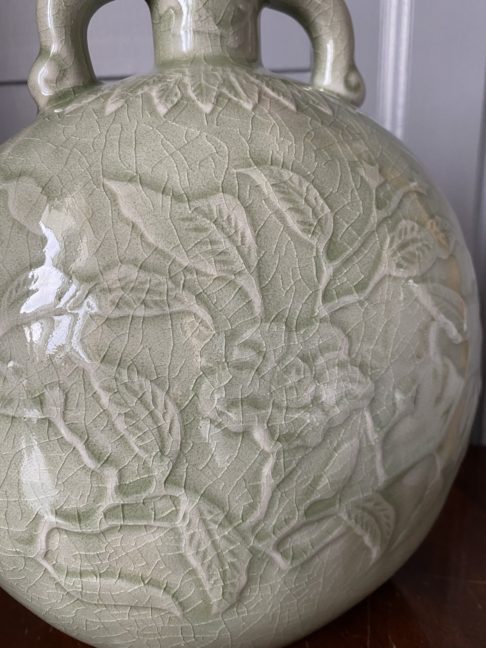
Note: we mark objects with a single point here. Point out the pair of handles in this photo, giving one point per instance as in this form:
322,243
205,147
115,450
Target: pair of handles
64,65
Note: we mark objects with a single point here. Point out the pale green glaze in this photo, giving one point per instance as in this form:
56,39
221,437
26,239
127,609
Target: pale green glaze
190,29
239,339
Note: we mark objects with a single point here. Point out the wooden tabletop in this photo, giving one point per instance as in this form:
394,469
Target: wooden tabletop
438,600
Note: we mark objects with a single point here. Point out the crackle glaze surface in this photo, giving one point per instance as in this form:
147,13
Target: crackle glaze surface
239,349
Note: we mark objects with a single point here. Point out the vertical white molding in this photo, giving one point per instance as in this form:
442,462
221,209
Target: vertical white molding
396,26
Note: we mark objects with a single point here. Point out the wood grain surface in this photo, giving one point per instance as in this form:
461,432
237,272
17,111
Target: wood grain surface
438,600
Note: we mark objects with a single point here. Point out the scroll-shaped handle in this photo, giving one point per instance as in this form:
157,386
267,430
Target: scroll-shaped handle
63,64
330,28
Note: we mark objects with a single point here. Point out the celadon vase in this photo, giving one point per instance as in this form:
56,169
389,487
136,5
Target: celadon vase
239,338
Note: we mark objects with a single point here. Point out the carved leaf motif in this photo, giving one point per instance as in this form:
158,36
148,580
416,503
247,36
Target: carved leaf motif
217,266
437,397
412,250
227,213
38,390
108,573
447,307
242,89
355,211
277,92
118,96
310,491
141,421
16,294
203,88
26,390
373,519
443,232
206,244
127,290
145,423
354,278
151,212
408,252
166,95
219,556
134,201
114,587
322,475
450,388
383,320
307,519
24,202
296,201
307,542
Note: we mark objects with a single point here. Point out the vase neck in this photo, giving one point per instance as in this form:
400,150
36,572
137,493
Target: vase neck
209,29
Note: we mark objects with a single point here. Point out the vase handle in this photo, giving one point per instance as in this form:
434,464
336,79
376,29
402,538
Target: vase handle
330,28
63,65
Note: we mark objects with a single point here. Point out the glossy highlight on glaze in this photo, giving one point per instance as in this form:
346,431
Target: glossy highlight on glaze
239,338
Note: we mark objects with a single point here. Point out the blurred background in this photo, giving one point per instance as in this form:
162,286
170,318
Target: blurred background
424,63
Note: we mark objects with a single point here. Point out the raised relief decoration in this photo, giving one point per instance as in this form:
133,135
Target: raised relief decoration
239,339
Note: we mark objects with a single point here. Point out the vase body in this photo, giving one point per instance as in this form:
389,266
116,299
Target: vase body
239,353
